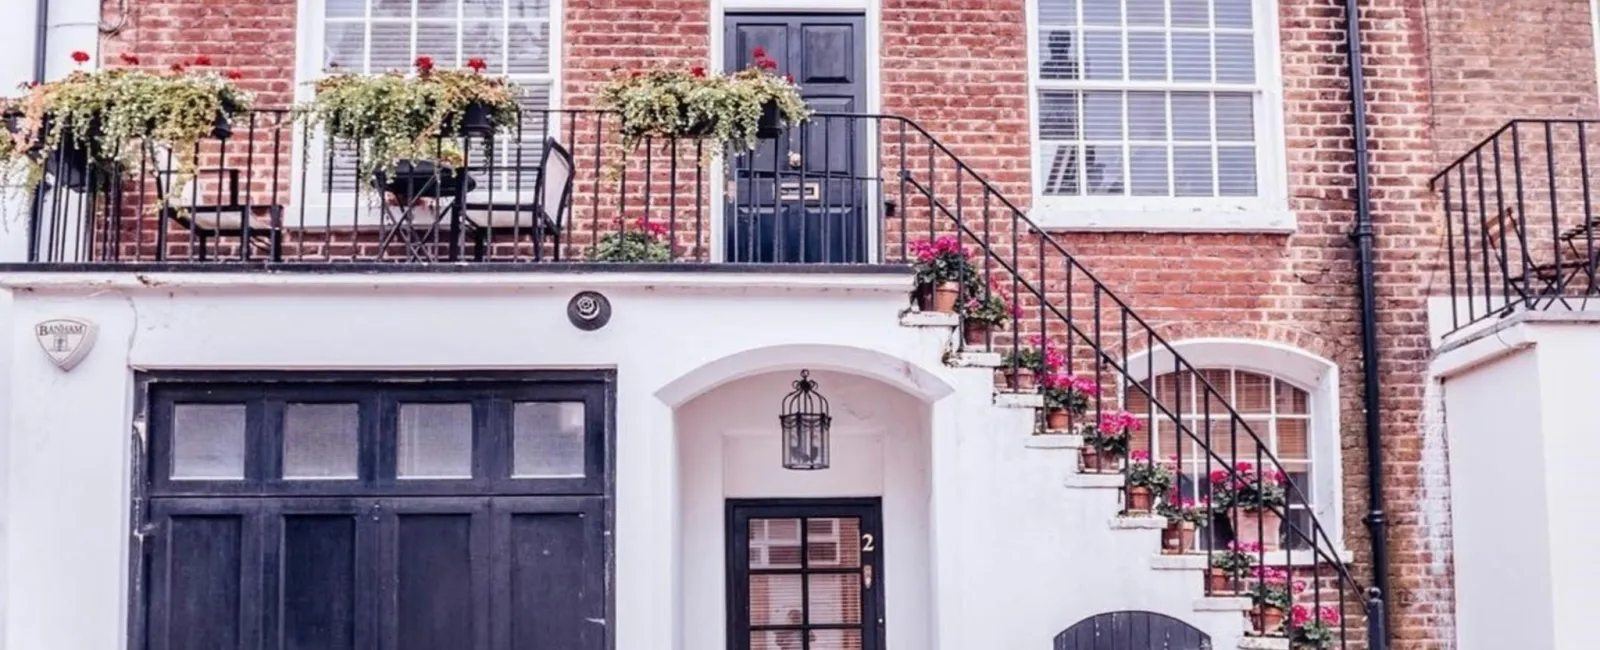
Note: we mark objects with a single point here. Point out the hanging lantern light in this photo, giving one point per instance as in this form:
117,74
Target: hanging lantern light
805,423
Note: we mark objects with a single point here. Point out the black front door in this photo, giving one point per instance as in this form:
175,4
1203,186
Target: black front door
803,197
805,575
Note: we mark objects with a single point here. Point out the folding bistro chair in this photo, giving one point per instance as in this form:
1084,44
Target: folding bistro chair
223,218
539,215
1532,277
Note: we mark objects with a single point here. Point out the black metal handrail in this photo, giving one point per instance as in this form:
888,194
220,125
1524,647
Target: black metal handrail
1519,221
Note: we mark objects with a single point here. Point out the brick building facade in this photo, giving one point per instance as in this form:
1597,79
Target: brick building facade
1441,74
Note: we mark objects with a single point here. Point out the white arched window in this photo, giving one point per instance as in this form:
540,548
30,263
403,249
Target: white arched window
1288,398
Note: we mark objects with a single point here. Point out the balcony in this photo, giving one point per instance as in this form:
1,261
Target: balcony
1520,230
560,189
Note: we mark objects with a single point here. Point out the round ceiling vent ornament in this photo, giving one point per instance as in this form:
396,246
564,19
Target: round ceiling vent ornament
589,311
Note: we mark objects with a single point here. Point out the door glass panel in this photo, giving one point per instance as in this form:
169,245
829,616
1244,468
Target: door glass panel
835,640
775,600
775,544
548,439
833,598
320,441
208,442
435,441
793,606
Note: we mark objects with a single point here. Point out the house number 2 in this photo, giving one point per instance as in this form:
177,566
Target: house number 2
867,545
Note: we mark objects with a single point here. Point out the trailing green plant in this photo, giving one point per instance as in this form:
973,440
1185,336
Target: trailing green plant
1317,633
107,114
941,260
1068,392
1237,560
1273,588
1248,489
1110,434
1146,473
671,103
644,242
1196,513
987,309
393,116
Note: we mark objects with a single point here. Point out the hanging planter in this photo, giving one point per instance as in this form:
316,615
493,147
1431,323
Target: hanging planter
770,126
477,119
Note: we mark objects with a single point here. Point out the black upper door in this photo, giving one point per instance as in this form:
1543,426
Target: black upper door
803,197
805,575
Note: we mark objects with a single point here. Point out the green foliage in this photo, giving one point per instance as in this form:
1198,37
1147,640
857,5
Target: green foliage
694,104
644,242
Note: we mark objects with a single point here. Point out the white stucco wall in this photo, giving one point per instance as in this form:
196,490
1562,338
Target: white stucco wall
986,546
1519,416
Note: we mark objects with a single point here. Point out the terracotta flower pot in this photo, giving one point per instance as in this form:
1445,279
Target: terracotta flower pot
1218,581
1110,462
1140,499
1266,619
1020,378
1257,527
975,333
1090,457
942,298
1057,419
1177,538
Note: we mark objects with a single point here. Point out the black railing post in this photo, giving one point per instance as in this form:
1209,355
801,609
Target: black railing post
1377,634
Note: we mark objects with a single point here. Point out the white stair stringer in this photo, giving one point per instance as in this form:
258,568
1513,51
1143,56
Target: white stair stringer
1041,544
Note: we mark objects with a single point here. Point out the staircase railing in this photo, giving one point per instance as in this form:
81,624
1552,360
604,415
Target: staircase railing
1075,324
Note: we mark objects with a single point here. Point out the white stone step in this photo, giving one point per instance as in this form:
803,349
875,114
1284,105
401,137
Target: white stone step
929,319
1054,441
1263,643
1018,400
1139,522
1223,604
969,359
1097,481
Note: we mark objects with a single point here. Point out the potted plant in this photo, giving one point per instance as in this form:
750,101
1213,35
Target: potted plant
735,109
1106,442
942,266
1230,565
1184,517
403,124
1146,478
1065,396
1319,633
981,314
646,241
1271,594
1255,500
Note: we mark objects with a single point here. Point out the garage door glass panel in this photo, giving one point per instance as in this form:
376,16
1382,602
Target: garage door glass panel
548,439
320,441
208,442
435,441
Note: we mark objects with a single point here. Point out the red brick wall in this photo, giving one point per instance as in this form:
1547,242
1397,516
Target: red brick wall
1441,75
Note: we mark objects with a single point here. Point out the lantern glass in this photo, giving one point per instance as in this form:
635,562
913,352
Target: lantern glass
806,422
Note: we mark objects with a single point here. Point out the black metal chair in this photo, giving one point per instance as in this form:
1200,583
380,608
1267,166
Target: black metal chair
543,215
226,218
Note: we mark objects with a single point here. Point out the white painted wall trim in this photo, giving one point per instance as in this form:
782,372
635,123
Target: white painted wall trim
1316,375
534,281
869,363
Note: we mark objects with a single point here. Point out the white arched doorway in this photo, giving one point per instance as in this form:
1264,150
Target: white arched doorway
871,507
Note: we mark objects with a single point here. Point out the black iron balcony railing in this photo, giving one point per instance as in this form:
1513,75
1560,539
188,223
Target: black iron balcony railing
1520,220
843,189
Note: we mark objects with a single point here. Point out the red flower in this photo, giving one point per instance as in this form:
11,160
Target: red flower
759,53
129,59
766,64
234,75
202,60
698,71
177,67
476,64
788,77
424,64
81,57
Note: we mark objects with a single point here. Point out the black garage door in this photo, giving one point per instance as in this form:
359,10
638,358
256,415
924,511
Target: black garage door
376,515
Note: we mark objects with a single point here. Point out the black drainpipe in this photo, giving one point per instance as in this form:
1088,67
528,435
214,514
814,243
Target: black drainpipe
40,31
1377,525
36,204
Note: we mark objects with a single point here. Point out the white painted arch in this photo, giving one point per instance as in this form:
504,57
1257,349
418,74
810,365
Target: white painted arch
894,371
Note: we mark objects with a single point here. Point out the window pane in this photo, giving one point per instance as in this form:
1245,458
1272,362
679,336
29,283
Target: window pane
1058,12
1252,393
1191,57
208,441
1236,58
1102,116
1291,399
436,8
344,9
1233,13
548,439
1147,56
438,40
1236,119
1294,443
342,46
835,599
1236,168
530,48
321,441
1058,55
781,597
483,10
484,41
435,441
1103,169
1147,116
1060,163
1148,168
391,47
391,8
1191,116
1058,115
1103,55
1147,13
525,9
1192,171
1191,13
1102,12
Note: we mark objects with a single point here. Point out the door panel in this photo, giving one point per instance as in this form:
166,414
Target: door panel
805,576
319,583
554,552
801,198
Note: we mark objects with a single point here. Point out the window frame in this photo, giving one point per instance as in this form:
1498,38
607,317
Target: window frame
1317,376
346,209
1268,211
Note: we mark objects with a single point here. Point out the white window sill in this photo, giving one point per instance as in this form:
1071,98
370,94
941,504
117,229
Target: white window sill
1178,220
